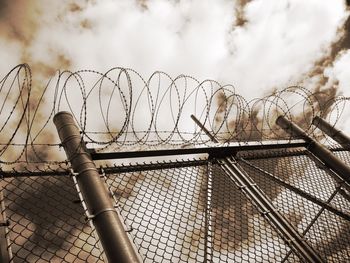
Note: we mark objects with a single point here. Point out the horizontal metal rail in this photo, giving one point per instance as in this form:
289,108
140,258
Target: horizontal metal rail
11,174
217,151
121,168
117,169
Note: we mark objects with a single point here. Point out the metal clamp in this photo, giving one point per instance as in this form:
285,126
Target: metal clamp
100,212
82,171
72,173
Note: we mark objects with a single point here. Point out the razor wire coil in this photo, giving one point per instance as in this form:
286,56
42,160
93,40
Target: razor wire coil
182,210
122,109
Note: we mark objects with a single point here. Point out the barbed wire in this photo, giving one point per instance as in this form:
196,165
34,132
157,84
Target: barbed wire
119,111
119,108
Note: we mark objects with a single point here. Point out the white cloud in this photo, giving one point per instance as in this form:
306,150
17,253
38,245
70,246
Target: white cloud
281,42
278,45
10,56
185,37
340,72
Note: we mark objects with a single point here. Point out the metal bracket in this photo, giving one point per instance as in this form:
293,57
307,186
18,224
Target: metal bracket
4,223
88,216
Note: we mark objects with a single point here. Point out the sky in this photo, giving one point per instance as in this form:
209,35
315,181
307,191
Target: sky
258,46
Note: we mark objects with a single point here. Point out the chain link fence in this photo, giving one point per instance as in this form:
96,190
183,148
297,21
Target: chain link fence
46,221
183,211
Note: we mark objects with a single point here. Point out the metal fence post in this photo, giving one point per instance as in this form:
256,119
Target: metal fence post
320,151
108,225
5,249
332,132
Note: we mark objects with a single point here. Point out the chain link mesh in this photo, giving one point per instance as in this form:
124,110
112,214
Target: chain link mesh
322,229
167,211
188,213
47,222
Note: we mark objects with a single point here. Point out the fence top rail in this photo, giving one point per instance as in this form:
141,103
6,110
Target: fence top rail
151,112
213,150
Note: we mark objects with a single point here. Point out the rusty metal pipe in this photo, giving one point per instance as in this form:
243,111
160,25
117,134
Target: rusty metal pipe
108,225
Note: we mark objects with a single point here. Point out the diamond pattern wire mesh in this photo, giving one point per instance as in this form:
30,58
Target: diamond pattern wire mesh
240,234
302,172
47,222
167,209
192,213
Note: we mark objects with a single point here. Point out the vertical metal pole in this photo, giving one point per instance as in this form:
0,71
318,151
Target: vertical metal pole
264,205
332,132
316,148
208,216
5,249
109,227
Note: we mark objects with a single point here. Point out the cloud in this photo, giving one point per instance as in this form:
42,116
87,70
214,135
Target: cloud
258,46
281,42
339,71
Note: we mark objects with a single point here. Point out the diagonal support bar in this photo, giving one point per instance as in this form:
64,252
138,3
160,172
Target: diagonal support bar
321,152
264,205
299,192
108,225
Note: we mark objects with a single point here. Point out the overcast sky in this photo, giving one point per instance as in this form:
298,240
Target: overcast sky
256,45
